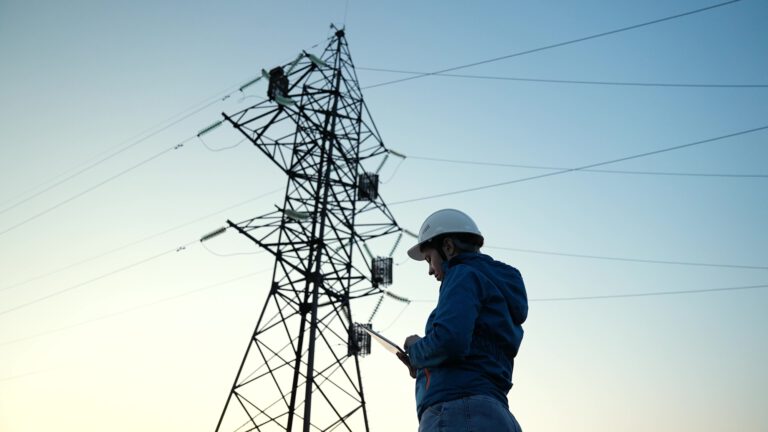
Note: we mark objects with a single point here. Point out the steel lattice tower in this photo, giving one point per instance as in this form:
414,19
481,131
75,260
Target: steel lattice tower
301,369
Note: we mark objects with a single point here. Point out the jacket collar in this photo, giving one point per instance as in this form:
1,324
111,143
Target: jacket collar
463,258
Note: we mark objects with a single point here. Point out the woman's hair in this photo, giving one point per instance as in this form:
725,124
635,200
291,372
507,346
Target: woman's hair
464,242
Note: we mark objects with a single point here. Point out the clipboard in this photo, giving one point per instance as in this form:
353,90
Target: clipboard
386,343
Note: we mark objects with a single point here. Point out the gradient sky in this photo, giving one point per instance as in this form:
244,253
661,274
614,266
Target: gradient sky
155,347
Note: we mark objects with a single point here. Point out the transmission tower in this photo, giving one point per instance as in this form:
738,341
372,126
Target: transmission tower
301,370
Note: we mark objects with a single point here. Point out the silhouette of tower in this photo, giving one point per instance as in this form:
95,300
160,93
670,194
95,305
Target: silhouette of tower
301,370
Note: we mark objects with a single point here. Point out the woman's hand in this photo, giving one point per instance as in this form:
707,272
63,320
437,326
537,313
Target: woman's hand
404,358
410,340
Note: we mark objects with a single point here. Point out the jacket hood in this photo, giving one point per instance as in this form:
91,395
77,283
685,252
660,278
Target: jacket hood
507,278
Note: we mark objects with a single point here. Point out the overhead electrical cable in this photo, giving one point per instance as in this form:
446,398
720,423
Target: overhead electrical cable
139,138
564,171
110,155
220,149
575,169
556,45
231,254
637,260
603,297
559,81
604,171
399,315
89,281
133,308
631,295
96,186
119,174
648,294
135,242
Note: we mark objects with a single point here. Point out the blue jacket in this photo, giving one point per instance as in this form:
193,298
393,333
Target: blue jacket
473,334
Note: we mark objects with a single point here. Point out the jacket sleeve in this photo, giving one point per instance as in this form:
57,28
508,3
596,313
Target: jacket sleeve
450,334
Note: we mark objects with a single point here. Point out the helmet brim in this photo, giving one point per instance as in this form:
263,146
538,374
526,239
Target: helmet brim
415,253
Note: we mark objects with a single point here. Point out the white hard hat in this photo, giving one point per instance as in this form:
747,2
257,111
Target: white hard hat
445,221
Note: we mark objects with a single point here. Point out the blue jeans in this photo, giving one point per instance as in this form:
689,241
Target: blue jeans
469,414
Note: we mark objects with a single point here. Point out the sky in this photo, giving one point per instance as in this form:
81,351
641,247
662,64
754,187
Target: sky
113,315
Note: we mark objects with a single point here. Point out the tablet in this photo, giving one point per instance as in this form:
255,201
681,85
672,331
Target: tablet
386,343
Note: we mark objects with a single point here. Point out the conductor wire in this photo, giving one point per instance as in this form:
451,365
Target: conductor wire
604,171
132,309
209,148
559,81
89,281
581,168
96,186
135,242
557,45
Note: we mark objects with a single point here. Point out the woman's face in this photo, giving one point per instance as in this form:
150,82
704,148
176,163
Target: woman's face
435,262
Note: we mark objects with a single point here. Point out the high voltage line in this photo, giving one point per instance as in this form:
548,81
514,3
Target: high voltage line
489,247
556,45
89,281
584,167
200,218
143,239
219,98
630,295
131,142
499,184
165,299
132,309
603,171
184,294
610,258
649,294
637,260
562,170
96,186
603,297
245,276
433,196
558,81
101,160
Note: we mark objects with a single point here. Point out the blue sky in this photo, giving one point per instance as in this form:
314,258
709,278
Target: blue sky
85,79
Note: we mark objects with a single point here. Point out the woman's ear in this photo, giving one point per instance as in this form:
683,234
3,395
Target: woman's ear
449,248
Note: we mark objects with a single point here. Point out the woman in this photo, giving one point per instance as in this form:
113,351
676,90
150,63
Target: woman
464,361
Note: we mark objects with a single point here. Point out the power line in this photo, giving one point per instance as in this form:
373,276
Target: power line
97,185
399,315
113,177
132,309
219,149
581,168
556,45
149,237
111,155
97,278
554,168
630,295
559,81
164,125
638,260
227,255
649,294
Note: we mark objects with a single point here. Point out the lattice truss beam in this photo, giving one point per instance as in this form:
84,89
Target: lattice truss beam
301,370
